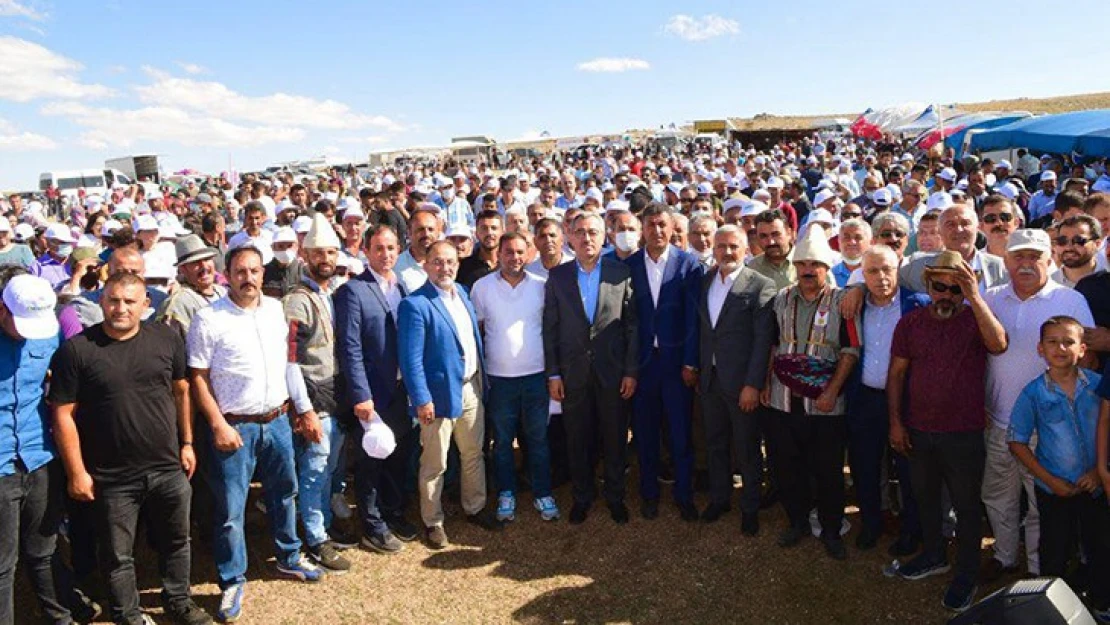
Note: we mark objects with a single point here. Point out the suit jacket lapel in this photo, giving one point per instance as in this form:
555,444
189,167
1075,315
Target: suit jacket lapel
738,286
703,304
604,290
376,289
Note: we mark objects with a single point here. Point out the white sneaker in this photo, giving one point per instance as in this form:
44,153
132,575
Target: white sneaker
340,508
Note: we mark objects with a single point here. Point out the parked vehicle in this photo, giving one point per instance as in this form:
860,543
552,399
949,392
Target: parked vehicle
145,168
93,181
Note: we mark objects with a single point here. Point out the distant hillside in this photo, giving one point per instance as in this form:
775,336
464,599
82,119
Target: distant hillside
1059,104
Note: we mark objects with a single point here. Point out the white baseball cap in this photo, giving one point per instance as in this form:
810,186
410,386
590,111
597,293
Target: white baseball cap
1029,239
59,232
285,234
302,224
31,302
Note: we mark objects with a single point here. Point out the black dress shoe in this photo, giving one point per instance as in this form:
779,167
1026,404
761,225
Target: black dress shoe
835,548
578,513
749,524
866,540
649,509
906,545
619,513
714,512
792,536
485,520
688,512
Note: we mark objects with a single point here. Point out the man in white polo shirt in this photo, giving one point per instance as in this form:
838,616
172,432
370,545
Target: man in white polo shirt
509,305
1021,306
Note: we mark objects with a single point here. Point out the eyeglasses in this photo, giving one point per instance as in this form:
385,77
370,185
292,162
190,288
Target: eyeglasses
892,234
847,216
1076,240
954,289
995,217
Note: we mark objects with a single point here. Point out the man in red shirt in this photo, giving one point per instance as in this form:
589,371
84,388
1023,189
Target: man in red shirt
935,350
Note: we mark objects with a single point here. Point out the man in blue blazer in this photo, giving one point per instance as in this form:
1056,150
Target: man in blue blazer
665,283
868,419
440,351
366,332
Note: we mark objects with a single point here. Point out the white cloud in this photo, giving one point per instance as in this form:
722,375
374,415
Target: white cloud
214,99
30,72
12,138
371,140
192,68
700,29
613,64
158,124
15,8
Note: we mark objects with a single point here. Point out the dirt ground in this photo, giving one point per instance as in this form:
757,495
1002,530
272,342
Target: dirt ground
662,571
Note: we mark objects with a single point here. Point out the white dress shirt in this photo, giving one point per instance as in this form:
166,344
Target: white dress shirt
654,270
513,324
461,317
245,352
718,292
410,270
391,289
878,333
1010,371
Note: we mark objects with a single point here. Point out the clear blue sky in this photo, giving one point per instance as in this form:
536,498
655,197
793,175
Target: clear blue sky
261,82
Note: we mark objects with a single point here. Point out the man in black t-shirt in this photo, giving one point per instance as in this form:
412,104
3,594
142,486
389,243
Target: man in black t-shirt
122,424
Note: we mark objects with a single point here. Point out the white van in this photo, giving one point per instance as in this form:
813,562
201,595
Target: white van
93,181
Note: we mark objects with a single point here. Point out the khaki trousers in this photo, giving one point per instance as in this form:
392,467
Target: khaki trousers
468,432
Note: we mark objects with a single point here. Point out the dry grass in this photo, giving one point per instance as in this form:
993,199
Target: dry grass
662,571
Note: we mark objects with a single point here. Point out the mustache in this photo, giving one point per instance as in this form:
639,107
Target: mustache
807,275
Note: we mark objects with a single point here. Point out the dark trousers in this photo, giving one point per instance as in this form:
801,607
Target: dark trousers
726,426
381,485
163,498
82,539
1067,522
30,514
590,410
662,400
955,460
809,451
868,439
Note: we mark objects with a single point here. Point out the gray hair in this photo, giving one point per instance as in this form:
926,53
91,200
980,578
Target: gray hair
731,229
888,218
881,252
701,216
858,224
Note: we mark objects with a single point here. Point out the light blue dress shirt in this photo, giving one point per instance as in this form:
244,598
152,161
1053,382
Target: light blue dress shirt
589,285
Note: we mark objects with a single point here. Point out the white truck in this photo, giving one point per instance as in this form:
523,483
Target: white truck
93,181
143,168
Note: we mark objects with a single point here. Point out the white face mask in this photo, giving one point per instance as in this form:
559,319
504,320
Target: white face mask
285,256
627,241
448,195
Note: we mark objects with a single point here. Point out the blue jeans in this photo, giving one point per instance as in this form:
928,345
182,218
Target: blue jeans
520,403
316,464
270,448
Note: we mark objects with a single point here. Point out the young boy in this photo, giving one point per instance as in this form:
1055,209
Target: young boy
1061,408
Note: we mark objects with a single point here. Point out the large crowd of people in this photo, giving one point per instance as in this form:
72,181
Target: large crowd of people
742,319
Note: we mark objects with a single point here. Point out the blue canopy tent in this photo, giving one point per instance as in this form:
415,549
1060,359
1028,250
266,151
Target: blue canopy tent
1081,132
980,121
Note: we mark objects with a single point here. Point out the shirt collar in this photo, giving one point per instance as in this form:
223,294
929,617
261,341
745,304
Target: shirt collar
663,258
382,280
731,276
597,266
448,295
1081,383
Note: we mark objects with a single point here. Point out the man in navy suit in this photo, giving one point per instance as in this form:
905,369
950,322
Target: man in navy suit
665,281
440,351
366,331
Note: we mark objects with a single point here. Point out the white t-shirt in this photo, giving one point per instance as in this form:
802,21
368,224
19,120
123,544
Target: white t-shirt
513,324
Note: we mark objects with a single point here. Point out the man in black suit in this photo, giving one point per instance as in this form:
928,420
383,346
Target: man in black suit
737,324
590,352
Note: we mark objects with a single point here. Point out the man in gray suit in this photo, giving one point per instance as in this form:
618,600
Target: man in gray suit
737,325
590,353
958,227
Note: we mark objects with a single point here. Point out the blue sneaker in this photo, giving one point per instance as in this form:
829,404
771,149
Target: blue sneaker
960,594
506,506
231,604
301,570
924,565
548,510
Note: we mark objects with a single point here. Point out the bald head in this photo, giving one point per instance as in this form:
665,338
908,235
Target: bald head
126,260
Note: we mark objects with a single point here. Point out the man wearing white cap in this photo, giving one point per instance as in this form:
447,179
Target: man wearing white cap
1043,201
283,273
813,357
32,485
54,265
13,253
309,310
1021,306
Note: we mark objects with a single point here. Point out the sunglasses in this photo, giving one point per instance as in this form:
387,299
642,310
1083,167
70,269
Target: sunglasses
996,217
892,234
847,216
1076,240
954,289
